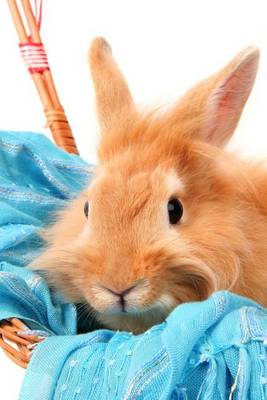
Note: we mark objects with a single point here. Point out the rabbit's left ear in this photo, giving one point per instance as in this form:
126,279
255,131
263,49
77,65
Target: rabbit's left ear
113,98
216,103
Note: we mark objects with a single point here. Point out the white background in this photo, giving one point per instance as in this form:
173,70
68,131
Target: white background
162,46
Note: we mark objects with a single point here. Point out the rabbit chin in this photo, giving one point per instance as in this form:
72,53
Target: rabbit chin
138,320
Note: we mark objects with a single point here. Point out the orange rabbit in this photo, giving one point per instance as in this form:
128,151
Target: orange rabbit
170,216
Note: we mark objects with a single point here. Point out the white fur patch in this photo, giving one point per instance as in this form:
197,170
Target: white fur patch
174,184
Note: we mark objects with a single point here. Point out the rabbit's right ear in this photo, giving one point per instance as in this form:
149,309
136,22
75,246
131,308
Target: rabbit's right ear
113,98
211,109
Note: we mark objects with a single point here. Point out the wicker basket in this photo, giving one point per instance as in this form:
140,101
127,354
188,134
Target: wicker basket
15,342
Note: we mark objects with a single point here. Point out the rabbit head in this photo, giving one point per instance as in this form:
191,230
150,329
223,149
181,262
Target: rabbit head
167,218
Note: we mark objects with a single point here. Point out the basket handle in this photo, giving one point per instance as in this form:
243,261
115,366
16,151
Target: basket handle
34,55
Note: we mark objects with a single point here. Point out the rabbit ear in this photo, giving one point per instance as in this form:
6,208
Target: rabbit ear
216,103
113,98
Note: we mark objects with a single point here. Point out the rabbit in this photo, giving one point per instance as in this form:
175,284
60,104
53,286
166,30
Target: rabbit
170,215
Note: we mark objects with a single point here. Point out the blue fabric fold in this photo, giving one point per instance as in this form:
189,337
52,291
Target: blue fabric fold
215,349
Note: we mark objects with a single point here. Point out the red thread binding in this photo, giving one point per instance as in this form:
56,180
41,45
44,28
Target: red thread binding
34,56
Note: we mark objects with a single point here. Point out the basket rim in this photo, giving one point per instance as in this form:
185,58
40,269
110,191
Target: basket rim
15,341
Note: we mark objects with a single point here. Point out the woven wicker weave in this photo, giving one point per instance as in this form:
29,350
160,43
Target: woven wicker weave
14,340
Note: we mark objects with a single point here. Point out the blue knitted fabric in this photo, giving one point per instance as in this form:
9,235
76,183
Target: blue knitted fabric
215,349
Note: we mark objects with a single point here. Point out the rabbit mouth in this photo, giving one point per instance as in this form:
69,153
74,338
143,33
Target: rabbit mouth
133,317
137,320
160,309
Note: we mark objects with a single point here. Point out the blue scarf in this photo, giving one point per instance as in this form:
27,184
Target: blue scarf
215,349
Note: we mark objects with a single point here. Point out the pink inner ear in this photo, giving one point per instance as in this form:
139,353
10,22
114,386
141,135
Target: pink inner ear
227,101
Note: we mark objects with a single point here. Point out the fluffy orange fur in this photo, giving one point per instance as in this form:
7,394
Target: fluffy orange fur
127,241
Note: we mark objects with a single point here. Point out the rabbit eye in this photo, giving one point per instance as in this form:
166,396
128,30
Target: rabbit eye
86,209
175,210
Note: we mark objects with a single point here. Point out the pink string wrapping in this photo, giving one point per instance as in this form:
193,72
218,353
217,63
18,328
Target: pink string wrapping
34,56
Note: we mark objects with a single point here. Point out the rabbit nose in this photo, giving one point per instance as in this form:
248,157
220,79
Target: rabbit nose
123,292
122,295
